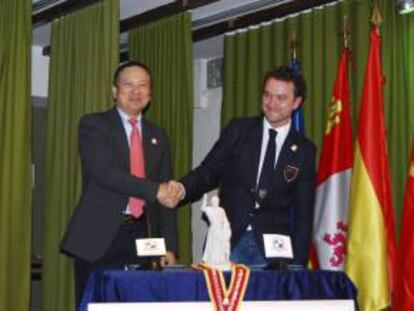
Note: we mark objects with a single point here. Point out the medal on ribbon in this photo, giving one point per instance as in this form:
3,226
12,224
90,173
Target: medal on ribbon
222,298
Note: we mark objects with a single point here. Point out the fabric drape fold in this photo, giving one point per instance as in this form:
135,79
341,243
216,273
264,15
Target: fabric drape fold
84,53
166,48
15,154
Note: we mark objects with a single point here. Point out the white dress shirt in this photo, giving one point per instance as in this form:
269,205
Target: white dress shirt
282,133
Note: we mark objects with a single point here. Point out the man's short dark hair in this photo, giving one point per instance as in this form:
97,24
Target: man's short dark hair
131,63
284,73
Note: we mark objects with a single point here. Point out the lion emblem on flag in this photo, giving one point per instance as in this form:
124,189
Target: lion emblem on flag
337,243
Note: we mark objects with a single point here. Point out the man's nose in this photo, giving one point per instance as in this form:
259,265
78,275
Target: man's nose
135,89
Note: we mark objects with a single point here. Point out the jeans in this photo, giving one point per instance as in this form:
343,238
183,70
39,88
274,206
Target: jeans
247,251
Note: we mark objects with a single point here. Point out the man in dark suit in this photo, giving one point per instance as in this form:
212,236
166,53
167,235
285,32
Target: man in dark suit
265,171
125,166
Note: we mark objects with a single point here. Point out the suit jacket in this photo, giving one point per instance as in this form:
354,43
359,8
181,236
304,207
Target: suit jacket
107,185
232,165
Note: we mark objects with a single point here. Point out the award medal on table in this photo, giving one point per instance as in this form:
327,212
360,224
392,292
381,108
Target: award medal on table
226,299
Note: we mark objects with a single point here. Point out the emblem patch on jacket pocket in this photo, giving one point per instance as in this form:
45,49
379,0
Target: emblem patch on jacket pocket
290,173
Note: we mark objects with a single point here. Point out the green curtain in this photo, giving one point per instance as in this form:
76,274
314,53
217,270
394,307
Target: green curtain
407,33
15,154
84,53
166,47
249,54
407,39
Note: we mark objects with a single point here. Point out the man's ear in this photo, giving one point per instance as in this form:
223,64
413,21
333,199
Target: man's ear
114,92
298,102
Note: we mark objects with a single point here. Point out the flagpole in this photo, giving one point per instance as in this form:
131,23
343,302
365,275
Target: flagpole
293,45
346,32
376,18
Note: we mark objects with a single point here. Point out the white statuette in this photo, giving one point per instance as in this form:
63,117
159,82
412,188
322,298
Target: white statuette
217,249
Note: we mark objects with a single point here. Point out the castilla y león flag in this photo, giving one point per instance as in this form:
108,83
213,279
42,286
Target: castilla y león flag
334,174
403,298
371,231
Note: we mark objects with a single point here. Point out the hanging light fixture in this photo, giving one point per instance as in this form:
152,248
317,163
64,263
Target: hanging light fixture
405,6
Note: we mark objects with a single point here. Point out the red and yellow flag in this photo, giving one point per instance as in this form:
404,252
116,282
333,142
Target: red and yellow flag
371,231
403,298
334,174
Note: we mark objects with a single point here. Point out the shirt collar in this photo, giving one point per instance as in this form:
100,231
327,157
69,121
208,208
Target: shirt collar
125,117
281,131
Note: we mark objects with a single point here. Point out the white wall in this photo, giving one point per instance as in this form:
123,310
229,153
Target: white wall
206,127
40,73
206,130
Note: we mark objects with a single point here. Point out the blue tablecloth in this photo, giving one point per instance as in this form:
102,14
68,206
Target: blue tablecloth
189,285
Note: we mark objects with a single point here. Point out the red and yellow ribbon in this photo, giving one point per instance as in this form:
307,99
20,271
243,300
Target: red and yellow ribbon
222,298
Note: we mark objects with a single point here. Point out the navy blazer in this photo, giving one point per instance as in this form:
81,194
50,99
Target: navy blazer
107,185
232,165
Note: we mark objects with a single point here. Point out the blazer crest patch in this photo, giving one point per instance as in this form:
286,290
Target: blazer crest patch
290,173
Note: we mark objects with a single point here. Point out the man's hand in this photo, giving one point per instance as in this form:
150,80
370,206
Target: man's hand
169,194
168,259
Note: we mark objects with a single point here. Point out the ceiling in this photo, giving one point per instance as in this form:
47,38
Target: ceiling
129,8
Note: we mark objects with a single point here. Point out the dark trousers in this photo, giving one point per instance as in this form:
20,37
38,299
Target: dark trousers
121,252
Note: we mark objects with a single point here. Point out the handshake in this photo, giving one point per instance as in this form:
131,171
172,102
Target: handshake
170,193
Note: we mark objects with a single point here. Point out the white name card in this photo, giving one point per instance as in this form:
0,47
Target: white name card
277,246
150,247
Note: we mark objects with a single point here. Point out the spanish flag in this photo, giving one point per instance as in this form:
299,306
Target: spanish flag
403,298
371,232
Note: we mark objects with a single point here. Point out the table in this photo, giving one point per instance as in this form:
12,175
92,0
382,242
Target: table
292,305
189,285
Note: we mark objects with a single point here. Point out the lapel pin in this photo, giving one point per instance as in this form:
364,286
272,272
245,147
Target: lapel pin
154,141
294,148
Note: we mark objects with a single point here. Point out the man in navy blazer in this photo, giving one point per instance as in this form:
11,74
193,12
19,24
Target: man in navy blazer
102,230
234,164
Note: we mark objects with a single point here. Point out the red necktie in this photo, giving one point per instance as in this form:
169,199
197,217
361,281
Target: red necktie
136,155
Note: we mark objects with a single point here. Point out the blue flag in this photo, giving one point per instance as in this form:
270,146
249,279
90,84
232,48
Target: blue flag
297,116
